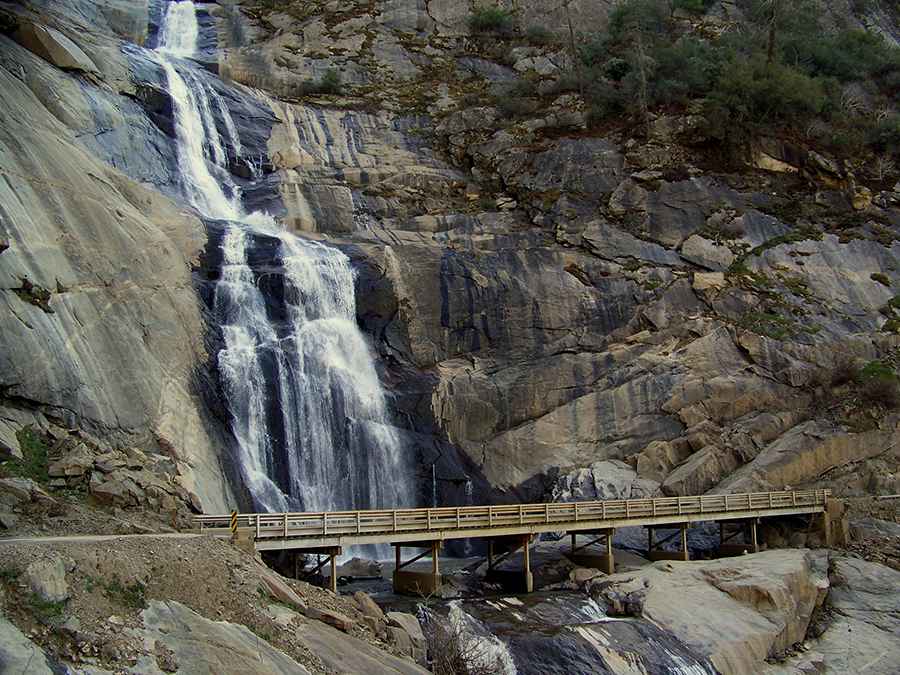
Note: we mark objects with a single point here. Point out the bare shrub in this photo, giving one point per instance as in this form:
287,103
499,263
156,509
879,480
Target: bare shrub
881,391
454,650
845,371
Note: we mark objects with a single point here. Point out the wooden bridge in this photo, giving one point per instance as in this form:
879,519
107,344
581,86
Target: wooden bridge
328,533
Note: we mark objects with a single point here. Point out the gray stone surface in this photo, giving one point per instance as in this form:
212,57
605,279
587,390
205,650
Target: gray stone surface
116,259
18,654
204,647
47,579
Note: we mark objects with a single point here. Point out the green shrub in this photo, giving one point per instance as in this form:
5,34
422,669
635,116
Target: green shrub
516,107
45,611
494,20
132,595
615,69
882,279
607,101
9,574
539,35
330,84
686,69
884,135
877,370
595,51
647,16
695,6
754,92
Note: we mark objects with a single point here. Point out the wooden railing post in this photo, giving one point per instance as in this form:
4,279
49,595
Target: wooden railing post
257,526
284,529
357,522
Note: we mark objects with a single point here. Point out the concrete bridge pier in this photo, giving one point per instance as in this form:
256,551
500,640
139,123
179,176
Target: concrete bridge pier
656,553
423,584
605,562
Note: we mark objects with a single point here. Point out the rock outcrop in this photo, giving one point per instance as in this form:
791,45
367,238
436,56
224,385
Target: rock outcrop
737,613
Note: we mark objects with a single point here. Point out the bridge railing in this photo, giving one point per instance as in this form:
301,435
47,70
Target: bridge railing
285,525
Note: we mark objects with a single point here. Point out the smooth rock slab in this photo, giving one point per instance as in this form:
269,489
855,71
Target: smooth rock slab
18,654
53,46
204,647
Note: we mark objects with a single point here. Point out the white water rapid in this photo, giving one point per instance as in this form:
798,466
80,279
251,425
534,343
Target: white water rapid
305,402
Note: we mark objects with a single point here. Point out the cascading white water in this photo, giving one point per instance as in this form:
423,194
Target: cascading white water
180,30
307,408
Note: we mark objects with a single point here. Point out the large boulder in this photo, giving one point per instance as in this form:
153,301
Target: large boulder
53,46
736,612
47,579
612,479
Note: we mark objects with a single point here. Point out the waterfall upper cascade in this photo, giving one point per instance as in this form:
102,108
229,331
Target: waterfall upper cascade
306,405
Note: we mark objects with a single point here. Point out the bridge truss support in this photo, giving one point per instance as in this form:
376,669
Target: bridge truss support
605,562
654,552
746,527
417,583
330,554
508,578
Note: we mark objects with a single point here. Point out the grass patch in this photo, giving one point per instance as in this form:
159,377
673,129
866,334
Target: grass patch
877,370
34,462
769,324
9,574
46,611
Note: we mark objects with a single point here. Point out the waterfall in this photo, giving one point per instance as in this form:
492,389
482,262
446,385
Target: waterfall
306,405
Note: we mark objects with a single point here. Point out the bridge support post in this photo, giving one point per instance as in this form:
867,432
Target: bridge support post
745,527
333,572
526,557
418,583
606,562
656,553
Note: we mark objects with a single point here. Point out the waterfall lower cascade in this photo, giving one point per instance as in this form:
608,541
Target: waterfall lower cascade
306,405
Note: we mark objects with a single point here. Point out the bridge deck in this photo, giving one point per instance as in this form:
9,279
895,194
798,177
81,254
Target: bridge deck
275,531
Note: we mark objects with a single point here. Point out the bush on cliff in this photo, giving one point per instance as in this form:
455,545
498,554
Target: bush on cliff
495,20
